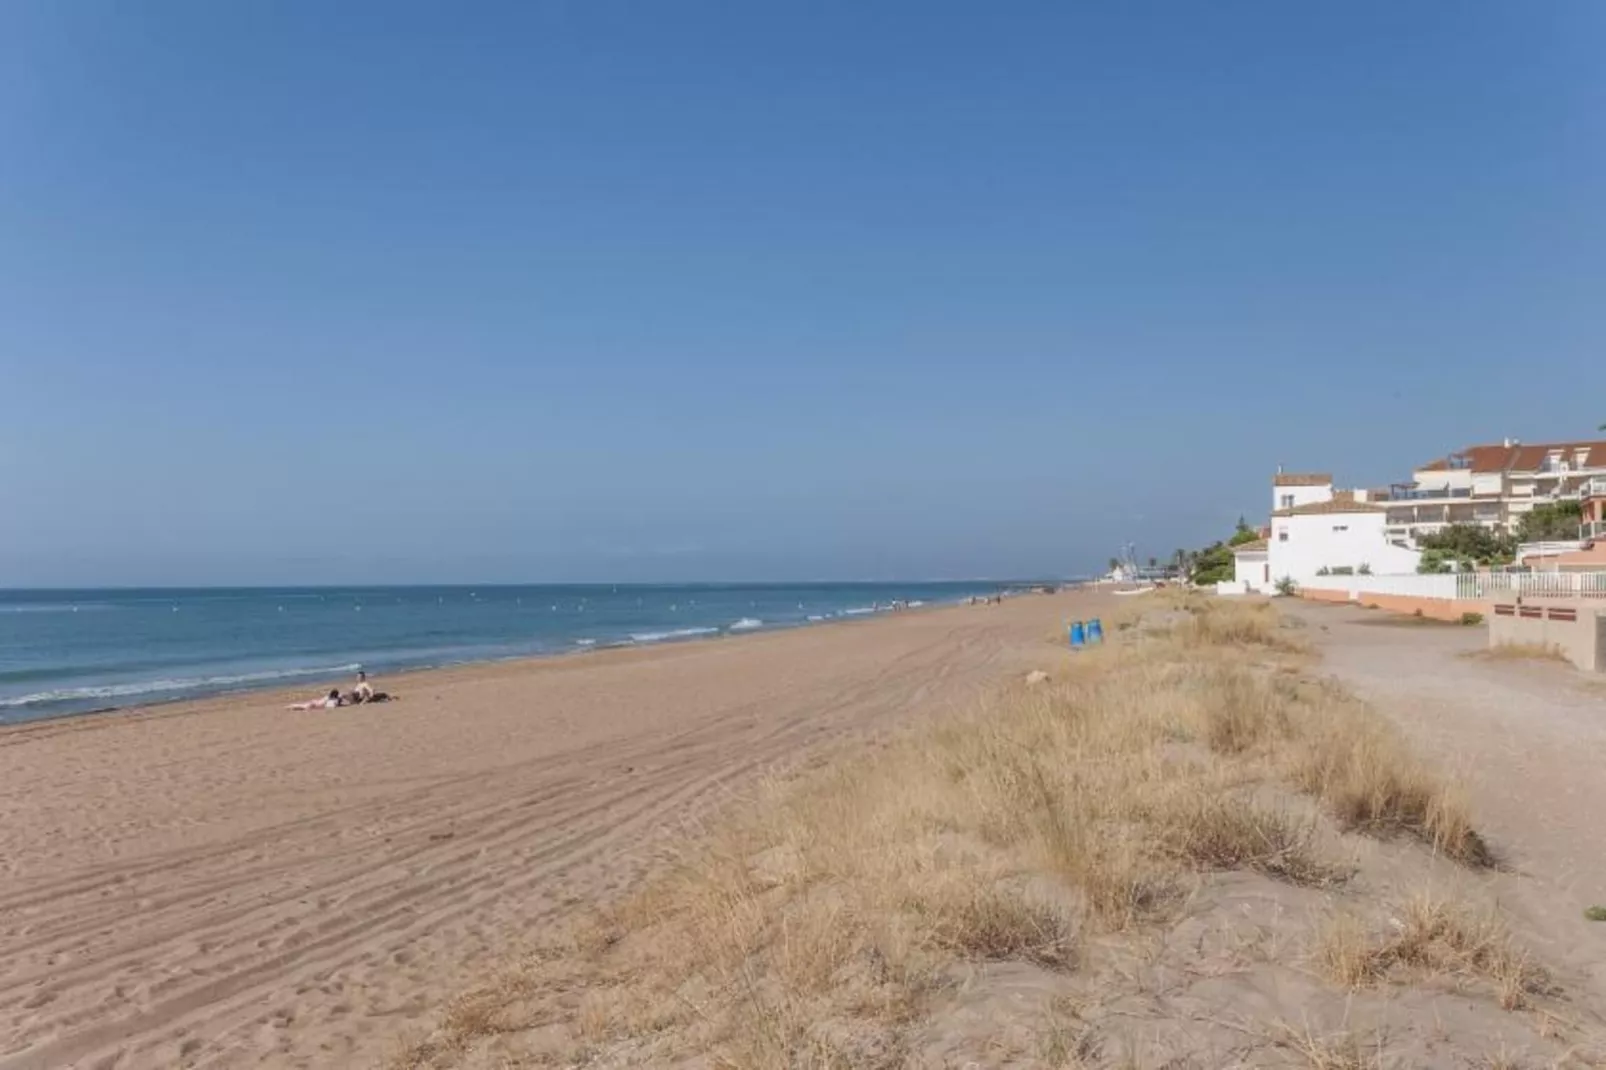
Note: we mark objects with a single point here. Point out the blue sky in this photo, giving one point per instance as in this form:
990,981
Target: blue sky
306,292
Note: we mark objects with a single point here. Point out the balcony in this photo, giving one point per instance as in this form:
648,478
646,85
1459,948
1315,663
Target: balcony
1595,488
1594,529
1433,494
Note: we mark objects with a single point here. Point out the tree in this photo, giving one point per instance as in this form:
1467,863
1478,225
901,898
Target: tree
1242,535
1115,563
1153,561
1471,543
1554,520
1212,565
1434,562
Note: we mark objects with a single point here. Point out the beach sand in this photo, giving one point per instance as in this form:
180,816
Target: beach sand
230,883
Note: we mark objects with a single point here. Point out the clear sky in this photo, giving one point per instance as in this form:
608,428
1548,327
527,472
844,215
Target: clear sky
343,292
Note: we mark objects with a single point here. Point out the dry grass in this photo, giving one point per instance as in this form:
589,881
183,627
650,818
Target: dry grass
1358,765
1340,1051
1523,652
1091,803
1238,623
1432,936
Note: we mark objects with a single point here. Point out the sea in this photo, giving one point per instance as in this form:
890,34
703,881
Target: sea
75,651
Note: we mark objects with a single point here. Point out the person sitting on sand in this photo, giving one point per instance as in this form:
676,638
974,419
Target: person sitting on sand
328,702
364,692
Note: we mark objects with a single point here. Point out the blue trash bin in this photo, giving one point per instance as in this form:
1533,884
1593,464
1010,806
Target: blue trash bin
1095,631
1078,636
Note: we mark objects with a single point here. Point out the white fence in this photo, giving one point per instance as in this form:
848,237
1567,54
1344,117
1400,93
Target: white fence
1468,586
1532,584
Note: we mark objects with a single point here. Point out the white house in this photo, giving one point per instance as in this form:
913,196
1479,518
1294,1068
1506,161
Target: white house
1317,530
1340,534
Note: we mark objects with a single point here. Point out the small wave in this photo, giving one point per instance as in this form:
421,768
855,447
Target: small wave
858,611
155,687
585,642
678,633
815,617
54,607
746,624
916,603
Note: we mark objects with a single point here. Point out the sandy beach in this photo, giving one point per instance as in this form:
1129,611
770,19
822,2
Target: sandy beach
230,883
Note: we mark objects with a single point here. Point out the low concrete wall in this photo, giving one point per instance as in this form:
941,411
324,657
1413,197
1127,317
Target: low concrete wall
1450,609
1577,631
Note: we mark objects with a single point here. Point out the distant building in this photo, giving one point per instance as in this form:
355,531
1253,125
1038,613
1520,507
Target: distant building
1494,486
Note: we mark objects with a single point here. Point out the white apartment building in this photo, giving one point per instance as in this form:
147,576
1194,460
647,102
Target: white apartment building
1493,486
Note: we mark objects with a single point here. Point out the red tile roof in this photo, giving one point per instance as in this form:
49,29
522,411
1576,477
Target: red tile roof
1521,456
1301,479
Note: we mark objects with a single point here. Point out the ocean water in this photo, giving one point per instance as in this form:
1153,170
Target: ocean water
74,651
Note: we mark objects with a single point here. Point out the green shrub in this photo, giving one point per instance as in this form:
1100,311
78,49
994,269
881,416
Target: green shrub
1287,586
1470,619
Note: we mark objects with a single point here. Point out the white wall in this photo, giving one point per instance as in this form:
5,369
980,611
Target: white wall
1300,495
1249,571
1414,586
1459,478
1303,545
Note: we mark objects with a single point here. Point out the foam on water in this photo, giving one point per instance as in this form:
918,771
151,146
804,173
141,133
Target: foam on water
158,687
746,624
677,633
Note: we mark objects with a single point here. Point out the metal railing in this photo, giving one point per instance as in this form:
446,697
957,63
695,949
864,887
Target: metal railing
1592,529
1531,584
1466,586
1436,494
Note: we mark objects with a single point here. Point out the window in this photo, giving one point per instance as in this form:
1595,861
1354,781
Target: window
1286,501
1282,536
1340,527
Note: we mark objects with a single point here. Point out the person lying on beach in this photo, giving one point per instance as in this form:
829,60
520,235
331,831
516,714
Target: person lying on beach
328,702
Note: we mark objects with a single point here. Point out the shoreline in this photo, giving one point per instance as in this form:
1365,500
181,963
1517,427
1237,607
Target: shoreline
286,693
390,663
